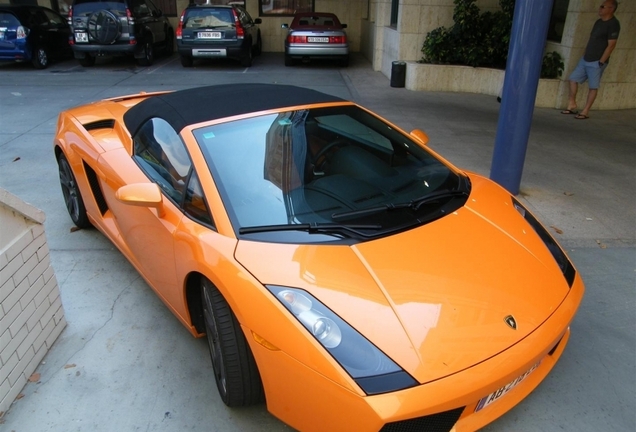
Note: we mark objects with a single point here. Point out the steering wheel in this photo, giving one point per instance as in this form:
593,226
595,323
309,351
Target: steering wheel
318,163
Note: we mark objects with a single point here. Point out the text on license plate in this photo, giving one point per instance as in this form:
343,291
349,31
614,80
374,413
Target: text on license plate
81,37
209,35
497,394
318,39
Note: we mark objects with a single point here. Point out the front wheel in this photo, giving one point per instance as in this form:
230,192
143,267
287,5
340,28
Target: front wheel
235,370
72,196
40,58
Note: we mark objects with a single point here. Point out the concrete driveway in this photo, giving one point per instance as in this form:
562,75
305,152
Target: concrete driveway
124,362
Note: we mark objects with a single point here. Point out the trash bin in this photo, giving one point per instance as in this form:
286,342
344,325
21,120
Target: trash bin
398,74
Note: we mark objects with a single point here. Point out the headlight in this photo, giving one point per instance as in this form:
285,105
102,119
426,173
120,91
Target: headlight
372,370
562,260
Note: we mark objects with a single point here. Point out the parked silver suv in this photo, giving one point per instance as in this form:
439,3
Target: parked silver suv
119,27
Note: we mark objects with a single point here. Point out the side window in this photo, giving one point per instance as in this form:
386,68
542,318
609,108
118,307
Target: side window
163,157
194,204
53,18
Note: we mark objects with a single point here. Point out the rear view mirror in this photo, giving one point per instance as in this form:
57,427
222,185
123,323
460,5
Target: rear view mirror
420,136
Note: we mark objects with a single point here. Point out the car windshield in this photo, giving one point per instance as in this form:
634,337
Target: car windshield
336,171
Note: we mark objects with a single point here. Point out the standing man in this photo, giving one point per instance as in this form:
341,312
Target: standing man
594,62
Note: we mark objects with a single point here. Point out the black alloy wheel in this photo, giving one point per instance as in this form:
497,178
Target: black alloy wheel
72,196
235,371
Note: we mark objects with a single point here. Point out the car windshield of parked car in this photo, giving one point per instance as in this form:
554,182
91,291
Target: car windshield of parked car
336,171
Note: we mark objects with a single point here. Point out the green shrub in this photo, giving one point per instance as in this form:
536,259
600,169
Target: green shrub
475,39
552,66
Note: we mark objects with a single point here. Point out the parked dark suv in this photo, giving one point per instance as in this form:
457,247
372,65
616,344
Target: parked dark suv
116,27
214,31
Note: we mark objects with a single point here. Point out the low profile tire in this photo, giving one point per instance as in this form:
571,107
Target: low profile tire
148,55
288,60
72,196
186,61
235,370
87,61
40,58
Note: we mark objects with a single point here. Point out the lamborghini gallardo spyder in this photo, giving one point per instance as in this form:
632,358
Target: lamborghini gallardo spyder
341,270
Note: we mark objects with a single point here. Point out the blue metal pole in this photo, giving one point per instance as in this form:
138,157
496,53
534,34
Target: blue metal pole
523,69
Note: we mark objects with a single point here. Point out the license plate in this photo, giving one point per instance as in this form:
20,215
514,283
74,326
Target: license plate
209,35
498,394
81,37
318,39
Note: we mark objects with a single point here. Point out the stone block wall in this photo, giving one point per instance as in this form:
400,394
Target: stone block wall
31,313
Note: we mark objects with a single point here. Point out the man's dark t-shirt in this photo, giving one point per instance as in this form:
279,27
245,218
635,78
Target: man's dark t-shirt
601,33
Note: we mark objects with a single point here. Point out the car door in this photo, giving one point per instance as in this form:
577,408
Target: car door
147,232
156,22
57,34
248,24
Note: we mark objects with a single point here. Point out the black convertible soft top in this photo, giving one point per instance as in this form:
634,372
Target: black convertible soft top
185,107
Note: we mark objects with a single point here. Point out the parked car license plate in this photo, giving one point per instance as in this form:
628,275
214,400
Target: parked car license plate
318,39
497,394
81,37
209,35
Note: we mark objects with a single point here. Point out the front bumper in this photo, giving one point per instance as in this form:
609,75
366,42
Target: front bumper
308,401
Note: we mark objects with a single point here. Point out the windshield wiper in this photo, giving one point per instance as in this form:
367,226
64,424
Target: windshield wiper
314,228
414,204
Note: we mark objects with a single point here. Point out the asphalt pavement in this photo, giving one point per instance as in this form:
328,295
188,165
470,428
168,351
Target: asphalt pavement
125,363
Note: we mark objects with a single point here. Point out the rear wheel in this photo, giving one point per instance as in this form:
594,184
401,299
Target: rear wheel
186,61
235,370
148,55
87,61
40,58
72,196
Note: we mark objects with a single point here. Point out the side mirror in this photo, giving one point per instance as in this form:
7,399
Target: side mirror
258,21
142,195
420,136
344,25
285,26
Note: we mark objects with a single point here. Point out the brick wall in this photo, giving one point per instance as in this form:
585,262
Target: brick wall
31,314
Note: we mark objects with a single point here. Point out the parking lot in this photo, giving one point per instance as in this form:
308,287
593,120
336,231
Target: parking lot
125,363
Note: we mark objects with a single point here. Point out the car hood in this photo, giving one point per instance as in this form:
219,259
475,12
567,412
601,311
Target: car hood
434,298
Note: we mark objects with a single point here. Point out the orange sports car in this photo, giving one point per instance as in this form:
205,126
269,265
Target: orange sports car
342,271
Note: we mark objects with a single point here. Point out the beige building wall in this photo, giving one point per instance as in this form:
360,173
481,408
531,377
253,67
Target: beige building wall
31,314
